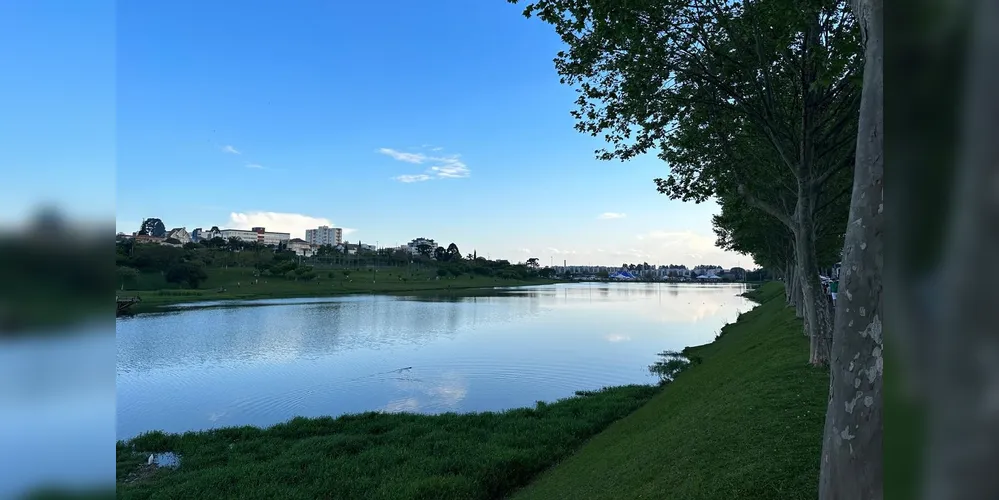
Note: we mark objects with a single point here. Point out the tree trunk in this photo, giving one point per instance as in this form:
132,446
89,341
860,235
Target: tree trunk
852,457
788,289
817,318
794,283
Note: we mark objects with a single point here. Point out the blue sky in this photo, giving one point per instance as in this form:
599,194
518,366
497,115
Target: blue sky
395,119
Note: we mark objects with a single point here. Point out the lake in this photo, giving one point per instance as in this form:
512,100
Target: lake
264,362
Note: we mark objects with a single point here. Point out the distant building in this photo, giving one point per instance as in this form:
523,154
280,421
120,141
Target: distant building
212,233
145,238
196,234
708,270
324,235
301,247
414,246
257,234
180,234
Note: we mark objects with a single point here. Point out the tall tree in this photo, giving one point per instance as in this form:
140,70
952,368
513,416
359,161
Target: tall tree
852,456
440,254
742,97
153,227
453,252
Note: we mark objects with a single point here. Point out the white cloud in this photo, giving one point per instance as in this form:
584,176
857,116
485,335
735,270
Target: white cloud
617,337
611,215
525,250
556,251
255,166
231,150
296,224
401,156
412,178
442,167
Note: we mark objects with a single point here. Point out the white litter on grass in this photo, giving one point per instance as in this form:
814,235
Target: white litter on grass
165,459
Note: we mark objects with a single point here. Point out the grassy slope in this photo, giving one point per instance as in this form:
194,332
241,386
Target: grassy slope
746,423
236,281
376,455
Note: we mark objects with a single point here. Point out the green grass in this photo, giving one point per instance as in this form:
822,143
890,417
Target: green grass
239,285
376,455
744,423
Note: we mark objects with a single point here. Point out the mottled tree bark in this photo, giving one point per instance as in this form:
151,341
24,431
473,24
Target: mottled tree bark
852,457
817,317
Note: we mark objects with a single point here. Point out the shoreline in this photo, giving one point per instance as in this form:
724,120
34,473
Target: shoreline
161,300
593,444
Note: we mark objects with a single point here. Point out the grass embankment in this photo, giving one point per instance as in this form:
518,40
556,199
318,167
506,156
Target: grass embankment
374,455
240,284
744,423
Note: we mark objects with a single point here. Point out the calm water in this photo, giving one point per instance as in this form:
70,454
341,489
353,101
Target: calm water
223,366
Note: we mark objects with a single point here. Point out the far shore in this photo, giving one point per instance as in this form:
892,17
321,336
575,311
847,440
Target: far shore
154,300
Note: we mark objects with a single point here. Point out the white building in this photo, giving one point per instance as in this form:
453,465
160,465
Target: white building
301,247
414,246
708,270
180,234
324,235
257,234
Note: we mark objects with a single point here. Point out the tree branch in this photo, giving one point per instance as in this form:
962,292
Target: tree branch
766,207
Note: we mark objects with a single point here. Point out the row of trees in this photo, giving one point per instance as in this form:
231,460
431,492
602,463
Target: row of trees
187,264
774,109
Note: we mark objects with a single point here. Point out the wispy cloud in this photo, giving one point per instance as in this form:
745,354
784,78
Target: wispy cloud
255,166
557,251
412,178
440,167
617,337
406,157
231,150
611,215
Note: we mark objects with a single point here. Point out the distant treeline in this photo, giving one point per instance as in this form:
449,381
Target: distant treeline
187,265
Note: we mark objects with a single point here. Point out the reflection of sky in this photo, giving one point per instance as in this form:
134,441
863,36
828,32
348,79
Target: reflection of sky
57,411
213,367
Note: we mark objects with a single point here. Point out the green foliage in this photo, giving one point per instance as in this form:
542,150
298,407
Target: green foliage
187,273
377,455
127,276
671,364
752,103
152,227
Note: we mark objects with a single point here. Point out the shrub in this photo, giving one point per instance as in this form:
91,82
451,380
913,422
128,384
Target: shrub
671,364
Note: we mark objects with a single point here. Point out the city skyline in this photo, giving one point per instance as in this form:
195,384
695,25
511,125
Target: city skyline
347,122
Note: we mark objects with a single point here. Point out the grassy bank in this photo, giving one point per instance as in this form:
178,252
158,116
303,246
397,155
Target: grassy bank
744,423
240,284
374,455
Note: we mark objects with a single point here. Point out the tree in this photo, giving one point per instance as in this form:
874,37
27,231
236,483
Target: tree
127,276
453,252
425,249
186,273
533,263
740,98
153,227
440,254
852,464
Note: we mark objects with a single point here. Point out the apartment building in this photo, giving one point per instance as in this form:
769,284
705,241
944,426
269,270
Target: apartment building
324,235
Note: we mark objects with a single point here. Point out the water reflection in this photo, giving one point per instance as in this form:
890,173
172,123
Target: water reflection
489,350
